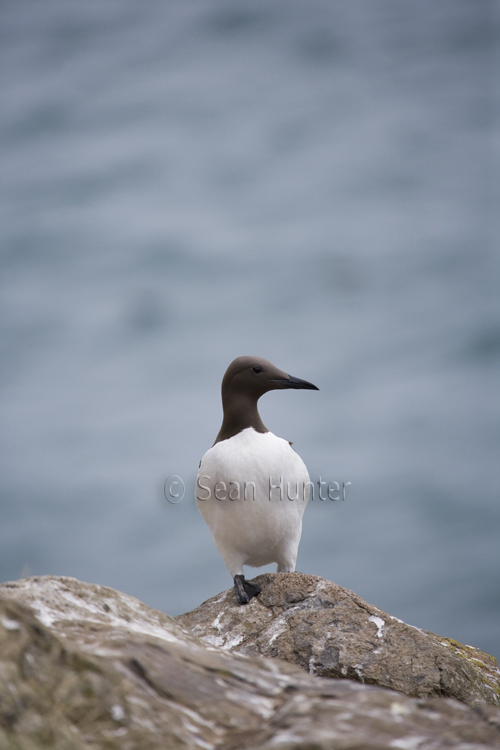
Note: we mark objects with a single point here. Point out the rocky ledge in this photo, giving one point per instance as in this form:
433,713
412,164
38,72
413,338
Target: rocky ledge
331,632
84,666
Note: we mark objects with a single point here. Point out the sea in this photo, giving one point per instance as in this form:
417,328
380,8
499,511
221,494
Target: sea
315,183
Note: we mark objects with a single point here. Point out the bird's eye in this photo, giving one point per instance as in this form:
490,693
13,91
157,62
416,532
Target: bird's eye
257,369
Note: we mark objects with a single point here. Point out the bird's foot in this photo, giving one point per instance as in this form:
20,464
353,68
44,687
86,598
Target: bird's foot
244,589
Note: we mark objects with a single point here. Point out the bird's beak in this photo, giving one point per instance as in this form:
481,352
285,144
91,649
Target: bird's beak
296,383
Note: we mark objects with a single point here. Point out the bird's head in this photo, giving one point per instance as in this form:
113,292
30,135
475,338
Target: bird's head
254,376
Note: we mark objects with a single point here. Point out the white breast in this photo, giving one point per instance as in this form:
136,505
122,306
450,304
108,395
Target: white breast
252,490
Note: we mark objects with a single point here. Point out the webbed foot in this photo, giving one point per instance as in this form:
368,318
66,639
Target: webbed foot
244,589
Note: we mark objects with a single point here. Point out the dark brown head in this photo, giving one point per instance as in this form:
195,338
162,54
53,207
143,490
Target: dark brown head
245,381
255,376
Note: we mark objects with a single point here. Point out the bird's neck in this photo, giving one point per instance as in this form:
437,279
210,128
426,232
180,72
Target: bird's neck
240,412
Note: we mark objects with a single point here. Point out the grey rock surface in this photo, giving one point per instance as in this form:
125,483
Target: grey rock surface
331,632
83,666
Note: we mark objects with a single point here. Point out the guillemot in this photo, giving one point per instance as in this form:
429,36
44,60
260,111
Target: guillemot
252,487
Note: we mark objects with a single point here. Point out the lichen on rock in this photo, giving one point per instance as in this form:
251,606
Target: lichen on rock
331,632
85,667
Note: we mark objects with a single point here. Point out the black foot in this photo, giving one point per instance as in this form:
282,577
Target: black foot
244,589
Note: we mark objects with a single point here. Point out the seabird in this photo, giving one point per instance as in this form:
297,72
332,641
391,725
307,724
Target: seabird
252,488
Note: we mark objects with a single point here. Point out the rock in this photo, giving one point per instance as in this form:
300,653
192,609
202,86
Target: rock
83,666
331,632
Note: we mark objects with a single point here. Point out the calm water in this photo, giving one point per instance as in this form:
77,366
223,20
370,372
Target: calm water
314,183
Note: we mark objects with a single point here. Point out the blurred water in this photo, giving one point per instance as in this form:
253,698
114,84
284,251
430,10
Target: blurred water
314,183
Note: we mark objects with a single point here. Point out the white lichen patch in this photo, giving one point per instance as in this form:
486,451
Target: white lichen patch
408,743
216,623
379,623
277,627
214,640
218,599
399,710
117,713
55,602
114,732
10,624
196,738
232,642
45,614
358,669
261,705
286,738
321,585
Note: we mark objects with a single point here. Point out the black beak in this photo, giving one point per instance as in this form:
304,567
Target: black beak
296,383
